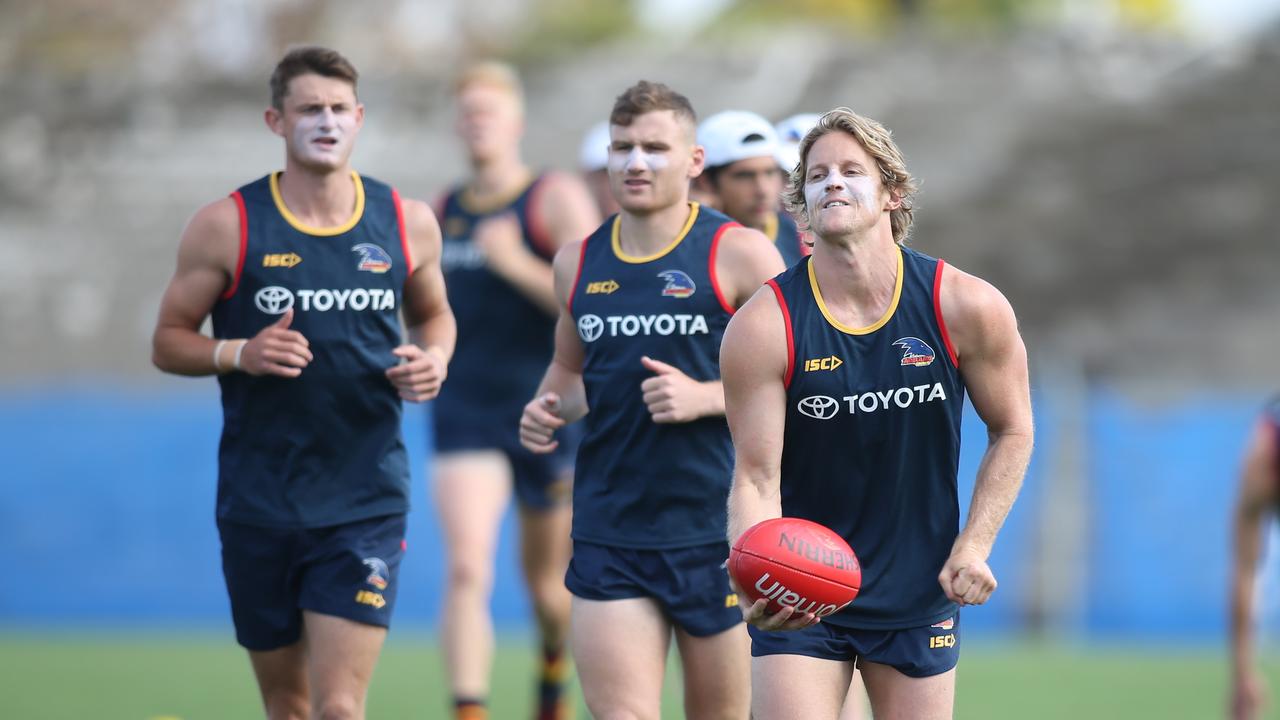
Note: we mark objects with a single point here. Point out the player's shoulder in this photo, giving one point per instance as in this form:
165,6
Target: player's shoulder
977,315
557,181
760,315
756,337
968,295
219,219
421,230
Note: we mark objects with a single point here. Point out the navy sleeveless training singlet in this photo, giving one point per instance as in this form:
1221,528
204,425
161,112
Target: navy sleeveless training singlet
872,439
638,483
323,448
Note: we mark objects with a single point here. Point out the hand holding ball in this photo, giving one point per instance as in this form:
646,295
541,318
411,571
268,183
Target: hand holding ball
798,563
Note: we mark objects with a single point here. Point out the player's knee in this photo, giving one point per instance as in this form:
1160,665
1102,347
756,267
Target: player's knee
470,576
287,706
339,706
550,596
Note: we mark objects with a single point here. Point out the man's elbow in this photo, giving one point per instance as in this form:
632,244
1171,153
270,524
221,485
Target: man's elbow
160,357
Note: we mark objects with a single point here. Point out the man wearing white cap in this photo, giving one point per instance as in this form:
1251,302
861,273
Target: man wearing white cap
790,132
593,163
743,175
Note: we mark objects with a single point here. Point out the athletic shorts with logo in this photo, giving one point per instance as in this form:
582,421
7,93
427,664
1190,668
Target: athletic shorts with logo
689,584
914,652
274,574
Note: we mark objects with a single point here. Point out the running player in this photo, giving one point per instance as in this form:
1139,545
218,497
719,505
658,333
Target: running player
743,175
501,226
593,163
1255,505
844,381
645,300
307,274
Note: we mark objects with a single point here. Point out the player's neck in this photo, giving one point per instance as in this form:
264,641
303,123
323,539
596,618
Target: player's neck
320,199
857,275
643,235
498,178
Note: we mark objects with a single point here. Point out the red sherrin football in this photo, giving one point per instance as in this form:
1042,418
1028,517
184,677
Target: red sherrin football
795,562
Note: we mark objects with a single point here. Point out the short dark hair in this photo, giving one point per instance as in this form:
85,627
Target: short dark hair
309,59
646,97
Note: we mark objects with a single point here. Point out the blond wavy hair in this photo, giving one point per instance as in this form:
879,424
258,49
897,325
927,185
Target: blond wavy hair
878,142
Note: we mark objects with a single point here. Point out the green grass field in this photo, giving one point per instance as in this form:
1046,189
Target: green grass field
114,677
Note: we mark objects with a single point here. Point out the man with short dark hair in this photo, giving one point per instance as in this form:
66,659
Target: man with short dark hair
308,274
644,302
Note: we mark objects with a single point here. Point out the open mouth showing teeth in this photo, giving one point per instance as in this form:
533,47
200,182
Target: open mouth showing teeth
836,203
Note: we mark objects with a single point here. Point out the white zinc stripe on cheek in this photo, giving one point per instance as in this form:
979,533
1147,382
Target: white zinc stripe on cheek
637,160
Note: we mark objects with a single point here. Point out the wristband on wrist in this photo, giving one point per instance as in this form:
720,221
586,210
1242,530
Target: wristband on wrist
217,355
239,349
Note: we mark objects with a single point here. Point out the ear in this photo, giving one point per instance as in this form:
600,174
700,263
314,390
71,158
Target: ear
275,120
359,115
699,161
895,200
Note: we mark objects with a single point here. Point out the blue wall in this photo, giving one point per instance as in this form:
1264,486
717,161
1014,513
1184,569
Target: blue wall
106,514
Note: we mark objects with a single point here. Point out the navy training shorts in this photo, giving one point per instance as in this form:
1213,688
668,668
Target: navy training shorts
689,584
914,652
273,574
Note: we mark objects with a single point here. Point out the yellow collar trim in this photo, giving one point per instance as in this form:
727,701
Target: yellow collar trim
771,227
893,304
300,226
636,260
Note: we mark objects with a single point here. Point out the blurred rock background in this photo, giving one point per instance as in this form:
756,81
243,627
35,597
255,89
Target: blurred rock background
1112,165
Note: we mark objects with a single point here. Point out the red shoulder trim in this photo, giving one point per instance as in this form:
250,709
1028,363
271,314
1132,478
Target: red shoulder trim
533,218
404,234
711,267
244,244
791,340
937,312
582,260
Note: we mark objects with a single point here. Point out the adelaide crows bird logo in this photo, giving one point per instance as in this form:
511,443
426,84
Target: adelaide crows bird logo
914,351
679,284
372,258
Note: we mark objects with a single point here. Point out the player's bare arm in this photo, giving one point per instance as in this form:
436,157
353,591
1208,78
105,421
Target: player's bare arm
562,397
745,259
424,360
207,259
753,365
993,363
567,212
1257,497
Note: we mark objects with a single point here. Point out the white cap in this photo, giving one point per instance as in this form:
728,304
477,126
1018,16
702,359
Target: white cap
790,132
594,154
735,135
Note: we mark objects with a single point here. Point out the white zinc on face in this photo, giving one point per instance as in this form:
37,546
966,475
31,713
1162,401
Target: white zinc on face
636,160
839,183
321,120
324,136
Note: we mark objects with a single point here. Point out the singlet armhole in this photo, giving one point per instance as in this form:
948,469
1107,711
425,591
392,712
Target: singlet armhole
937,312
404,235
786,321
244,245
711,267
582,260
